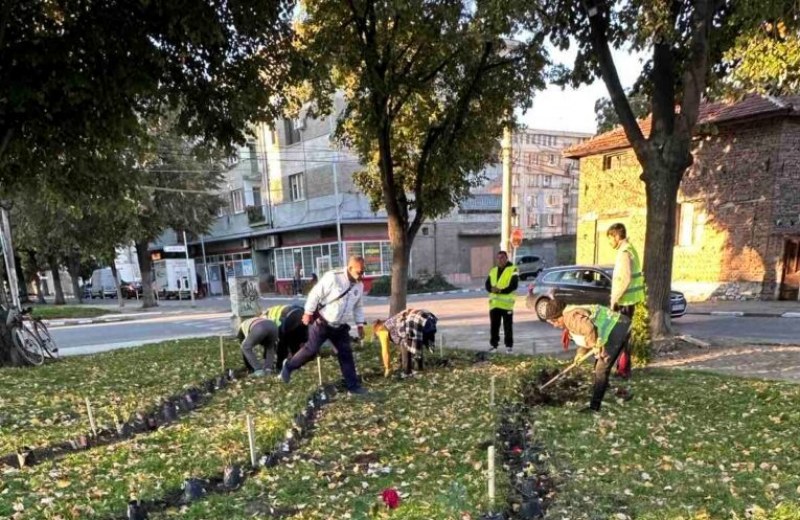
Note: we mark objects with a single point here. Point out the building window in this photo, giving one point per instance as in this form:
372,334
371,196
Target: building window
613,160
553,200
252,157
551,158
551,220
318,258
291,131
685,225
256,196
533,220
548,179
296,190
237,201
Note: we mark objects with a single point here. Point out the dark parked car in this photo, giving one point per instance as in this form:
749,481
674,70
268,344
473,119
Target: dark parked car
131,289
583,284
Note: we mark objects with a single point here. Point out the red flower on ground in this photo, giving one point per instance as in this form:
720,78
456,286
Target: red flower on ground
390,498
516,450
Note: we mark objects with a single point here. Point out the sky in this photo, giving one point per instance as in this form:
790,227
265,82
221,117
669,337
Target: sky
573,109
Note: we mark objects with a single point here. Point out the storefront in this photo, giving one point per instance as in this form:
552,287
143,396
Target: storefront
221,267
320,258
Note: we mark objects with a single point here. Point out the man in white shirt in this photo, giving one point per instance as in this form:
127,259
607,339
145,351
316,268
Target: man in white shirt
339,293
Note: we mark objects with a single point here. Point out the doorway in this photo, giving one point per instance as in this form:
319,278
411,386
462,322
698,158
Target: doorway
481,260
790,282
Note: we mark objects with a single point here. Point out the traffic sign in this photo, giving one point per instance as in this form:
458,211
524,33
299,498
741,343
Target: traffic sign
516,237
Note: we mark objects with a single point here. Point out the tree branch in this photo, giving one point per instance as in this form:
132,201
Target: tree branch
696,74
4,143
598,24
5,14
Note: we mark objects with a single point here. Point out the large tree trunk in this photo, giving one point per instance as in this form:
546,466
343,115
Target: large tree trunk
39,290
117,286
74,270
146,266
24,295
34,274
401,255
57,281
659,242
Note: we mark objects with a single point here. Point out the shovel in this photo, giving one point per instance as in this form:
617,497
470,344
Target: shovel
566,370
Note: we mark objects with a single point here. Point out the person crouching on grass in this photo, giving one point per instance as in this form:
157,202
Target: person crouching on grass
601,330
413,330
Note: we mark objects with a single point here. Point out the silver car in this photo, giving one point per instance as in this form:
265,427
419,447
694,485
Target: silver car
529,266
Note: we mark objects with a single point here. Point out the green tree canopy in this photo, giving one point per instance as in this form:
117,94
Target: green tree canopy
80,75
694,46
428,88
607,118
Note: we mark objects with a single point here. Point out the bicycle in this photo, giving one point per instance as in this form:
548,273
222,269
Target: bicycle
40,330
24,339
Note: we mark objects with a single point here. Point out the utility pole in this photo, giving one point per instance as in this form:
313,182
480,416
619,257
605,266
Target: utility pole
336,193
192,277
8,251
505,222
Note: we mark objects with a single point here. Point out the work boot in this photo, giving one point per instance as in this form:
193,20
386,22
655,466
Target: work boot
509,350
286,375
589,410
492,349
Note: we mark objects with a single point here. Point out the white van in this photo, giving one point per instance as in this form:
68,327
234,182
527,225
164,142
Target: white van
174,278
103,285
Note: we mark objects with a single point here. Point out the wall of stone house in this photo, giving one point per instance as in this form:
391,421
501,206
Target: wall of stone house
741,176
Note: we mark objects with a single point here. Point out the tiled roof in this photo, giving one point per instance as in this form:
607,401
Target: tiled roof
749,107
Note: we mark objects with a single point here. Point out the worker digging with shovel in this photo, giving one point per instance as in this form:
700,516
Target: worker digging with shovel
597,330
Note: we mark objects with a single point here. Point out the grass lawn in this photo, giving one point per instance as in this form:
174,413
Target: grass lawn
41,405
58,312
424,437
690,445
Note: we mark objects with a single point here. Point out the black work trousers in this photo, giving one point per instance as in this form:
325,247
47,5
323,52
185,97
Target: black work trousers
602,366
507,317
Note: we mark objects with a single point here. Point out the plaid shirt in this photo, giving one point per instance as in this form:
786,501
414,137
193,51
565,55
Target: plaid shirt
406,328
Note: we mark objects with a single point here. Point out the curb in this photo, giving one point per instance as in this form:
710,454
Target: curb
102,319
742,314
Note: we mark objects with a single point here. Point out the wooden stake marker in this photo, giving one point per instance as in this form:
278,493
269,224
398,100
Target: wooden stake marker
319,370
490,456
222,353
491,391
91,417
251,437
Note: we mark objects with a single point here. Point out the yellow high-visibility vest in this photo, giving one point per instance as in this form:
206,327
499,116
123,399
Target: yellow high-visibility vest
502,301
635,291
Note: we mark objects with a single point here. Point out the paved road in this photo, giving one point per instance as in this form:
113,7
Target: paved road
463,321
759,330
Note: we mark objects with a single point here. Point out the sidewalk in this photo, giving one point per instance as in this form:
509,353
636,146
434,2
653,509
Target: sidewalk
221,304
756,308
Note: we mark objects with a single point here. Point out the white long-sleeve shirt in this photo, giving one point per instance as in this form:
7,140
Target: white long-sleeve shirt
330,286
622,274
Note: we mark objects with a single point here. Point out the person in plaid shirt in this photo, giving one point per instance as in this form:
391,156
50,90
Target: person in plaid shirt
413,330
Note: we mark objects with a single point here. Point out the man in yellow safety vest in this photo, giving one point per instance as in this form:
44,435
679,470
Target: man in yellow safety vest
627,286
596,328
501,285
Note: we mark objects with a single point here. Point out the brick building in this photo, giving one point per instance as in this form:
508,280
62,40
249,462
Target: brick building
738,221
